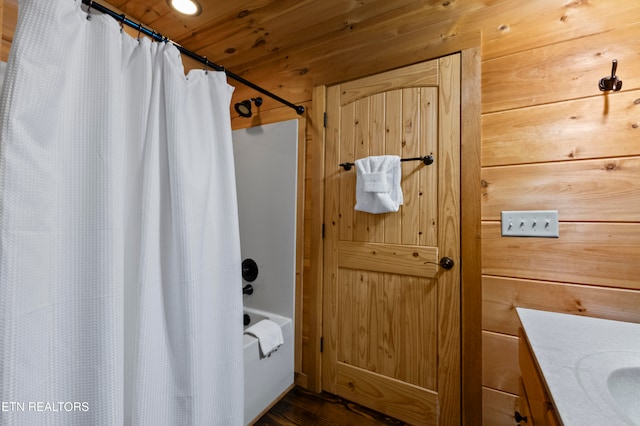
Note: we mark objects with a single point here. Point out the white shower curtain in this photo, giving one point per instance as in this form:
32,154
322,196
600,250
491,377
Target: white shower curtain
120,298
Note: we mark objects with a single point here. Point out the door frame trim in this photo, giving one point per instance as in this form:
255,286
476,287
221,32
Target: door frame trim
471,290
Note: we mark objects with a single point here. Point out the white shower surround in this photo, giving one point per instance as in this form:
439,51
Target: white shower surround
266,177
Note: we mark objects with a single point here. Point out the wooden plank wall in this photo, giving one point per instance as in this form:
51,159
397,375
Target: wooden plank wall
8,26
550,140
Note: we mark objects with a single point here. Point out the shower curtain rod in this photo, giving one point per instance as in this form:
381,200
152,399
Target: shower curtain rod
202,59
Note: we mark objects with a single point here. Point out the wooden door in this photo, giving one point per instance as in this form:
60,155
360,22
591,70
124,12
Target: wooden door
391,315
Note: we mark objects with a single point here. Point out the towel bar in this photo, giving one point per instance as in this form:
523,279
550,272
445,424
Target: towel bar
427,160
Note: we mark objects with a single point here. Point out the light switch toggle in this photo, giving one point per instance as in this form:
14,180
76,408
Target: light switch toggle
530,223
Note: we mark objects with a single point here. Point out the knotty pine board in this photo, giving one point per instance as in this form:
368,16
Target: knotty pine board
562,71
499,407
602,125
603,254
500,297
605,189
500,367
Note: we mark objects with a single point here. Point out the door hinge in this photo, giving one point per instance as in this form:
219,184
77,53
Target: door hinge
323,231
325,119
321,344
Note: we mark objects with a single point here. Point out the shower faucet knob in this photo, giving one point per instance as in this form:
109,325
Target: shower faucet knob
247,289
249,270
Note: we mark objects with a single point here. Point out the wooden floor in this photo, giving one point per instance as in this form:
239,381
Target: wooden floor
301,407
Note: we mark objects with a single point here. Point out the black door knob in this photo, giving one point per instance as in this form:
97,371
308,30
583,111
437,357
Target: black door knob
446,263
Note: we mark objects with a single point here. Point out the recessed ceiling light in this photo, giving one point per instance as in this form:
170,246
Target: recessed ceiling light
186,7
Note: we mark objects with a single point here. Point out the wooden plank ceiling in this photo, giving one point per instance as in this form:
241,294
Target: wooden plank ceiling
289,46
235,33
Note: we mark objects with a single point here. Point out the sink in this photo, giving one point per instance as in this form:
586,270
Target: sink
611,380
624,387
590,366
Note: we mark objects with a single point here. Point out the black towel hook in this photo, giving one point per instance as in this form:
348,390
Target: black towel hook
611,83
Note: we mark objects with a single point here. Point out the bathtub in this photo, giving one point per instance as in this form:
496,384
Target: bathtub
266,380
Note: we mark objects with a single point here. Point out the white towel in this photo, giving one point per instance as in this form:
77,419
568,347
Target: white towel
378,187
269,335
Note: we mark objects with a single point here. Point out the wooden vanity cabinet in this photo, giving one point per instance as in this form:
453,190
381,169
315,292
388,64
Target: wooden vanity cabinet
535,402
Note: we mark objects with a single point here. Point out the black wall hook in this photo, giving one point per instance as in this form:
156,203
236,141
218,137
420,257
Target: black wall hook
611,83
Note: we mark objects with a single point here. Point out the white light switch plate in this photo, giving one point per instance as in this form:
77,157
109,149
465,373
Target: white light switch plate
530,223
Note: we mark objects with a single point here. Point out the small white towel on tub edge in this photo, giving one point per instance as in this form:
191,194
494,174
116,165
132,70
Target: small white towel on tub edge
378,187
269,335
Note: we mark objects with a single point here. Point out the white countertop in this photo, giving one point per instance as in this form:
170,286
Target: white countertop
572,352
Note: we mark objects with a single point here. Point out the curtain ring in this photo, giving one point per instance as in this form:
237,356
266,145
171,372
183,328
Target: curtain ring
122,19
139,29
206,66
89,10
